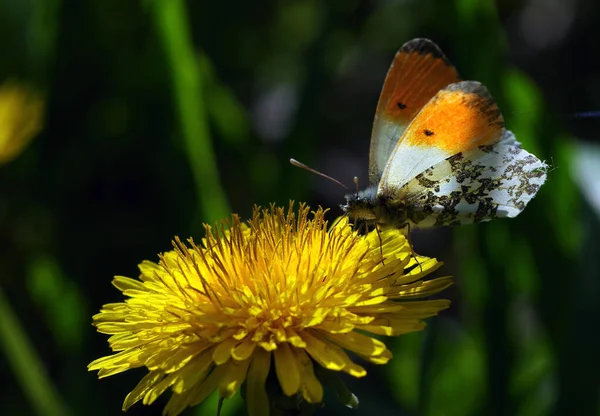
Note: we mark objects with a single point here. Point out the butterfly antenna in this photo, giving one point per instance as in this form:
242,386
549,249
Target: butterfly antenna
303,166
356,184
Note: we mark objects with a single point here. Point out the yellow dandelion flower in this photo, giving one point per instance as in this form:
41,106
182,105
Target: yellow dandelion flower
21,114
281,291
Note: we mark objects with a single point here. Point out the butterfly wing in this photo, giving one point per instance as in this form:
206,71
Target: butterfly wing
492,181
418,72
459,118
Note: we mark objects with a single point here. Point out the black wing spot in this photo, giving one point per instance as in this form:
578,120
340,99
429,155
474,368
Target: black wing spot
428,132
401,105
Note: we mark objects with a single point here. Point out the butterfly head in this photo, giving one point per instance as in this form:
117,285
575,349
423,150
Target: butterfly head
366,207
362,205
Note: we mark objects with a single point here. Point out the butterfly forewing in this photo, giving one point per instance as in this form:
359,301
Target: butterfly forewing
418,72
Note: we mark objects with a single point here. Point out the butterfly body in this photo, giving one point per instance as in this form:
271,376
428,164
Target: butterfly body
369,207
440,154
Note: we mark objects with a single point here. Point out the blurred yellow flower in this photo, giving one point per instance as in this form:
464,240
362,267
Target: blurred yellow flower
21,117
282,291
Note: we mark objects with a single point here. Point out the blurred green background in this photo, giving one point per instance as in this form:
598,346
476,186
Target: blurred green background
161,115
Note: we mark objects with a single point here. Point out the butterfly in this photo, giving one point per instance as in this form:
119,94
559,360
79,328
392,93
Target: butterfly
440,154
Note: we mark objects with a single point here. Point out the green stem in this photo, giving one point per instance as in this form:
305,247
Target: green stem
26,365
173,30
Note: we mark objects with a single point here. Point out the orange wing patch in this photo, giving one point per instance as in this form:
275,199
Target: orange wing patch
460,118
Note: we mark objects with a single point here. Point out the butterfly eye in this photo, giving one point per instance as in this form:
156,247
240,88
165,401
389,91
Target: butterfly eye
428,132
401,105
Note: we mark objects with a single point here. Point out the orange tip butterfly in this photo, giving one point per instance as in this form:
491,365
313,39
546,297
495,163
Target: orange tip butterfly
440,154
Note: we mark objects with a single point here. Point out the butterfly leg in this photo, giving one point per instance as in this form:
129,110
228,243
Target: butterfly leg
413,253
380,244
365,224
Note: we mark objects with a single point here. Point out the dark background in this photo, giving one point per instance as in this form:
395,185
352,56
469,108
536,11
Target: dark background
162,115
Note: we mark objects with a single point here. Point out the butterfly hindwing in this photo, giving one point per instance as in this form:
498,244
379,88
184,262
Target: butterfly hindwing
491,181
418,72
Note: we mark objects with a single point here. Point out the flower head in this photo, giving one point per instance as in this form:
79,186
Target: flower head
21,113
281,291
